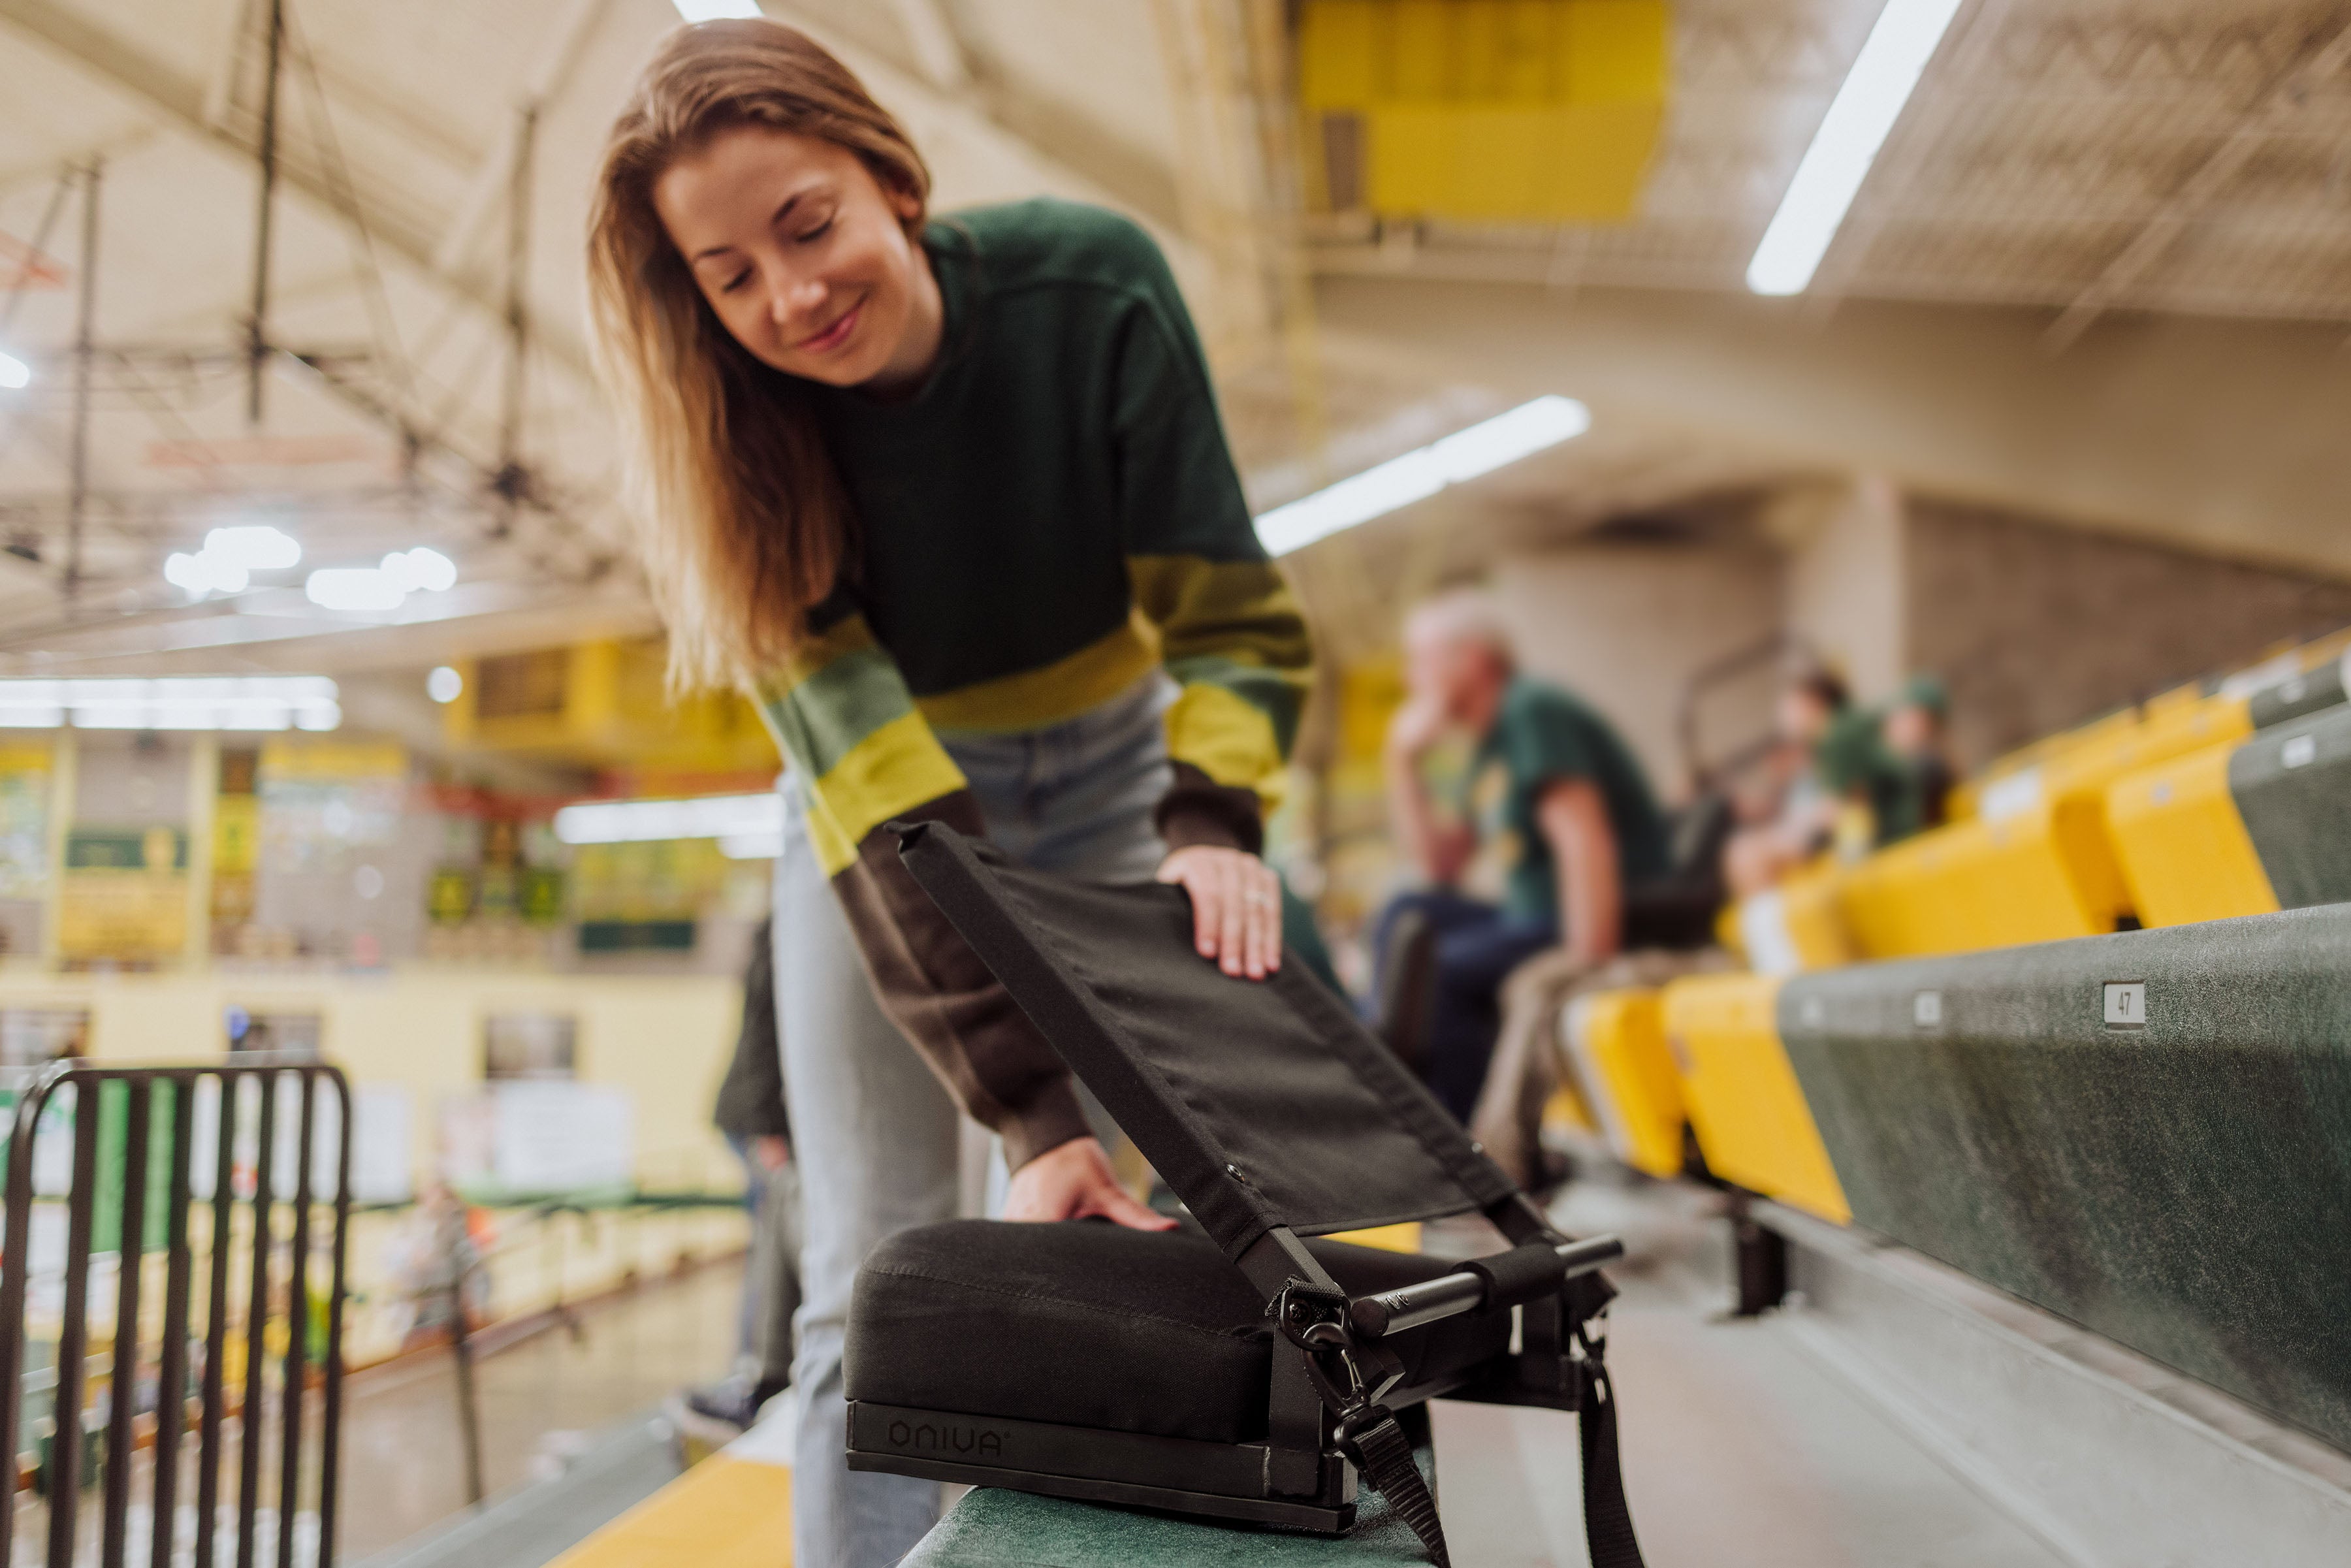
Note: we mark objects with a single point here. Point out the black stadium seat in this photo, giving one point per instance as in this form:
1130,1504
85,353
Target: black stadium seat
1240,1368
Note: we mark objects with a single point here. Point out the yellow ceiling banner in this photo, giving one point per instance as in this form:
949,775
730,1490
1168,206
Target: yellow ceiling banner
1485,110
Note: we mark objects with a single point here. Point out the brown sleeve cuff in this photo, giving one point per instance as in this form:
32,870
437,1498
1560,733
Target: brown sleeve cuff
1197,810
969,1030
1051,1118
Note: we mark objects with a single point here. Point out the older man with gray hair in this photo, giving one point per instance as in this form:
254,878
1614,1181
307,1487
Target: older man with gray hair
1553,819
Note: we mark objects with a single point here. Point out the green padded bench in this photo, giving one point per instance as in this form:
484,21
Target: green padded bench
2147,1133
2299,696
2292,784
993,1528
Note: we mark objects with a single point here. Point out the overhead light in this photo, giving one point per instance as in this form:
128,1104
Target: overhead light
184,702
352,588
1857,126
14,372
715,10
229,557
202,573
254,547
721,817
421,571
444,685
753,846
384,586
1421,473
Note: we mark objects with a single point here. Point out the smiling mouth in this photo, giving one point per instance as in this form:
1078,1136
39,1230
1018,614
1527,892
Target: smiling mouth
833,337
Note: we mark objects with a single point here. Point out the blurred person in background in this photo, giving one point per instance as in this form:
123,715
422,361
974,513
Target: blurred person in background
1911,779
1817,731
757,1125
952,500
1555,819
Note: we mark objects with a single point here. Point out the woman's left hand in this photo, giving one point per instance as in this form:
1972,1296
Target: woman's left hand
1236,906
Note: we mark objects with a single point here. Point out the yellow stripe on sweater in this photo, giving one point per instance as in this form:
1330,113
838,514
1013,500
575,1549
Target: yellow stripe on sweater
1228,738
898,766
1063,689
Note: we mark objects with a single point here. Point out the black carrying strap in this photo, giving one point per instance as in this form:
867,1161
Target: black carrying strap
1607,1518
1380,1450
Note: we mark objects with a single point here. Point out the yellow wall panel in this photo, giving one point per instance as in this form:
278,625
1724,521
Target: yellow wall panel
1493,110
665,1039
1618,50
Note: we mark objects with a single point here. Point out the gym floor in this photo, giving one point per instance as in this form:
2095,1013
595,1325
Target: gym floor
543,1402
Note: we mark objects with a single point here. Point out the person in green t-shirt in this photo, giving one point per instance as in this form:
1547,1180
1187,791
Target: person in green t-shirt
1555,820
1909,788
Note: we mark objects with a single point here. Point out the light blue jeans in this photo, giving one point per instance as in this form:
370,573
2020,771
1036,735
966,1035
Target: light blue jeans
873,1131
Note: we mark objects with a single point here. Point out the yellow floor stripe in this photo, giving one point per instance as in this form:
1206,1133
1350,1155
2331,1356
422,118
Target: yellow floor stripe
724,1512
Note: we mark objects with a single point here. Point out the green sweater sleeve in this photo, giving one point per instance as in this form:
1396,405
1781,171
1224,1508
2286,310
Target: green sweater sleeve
1231,633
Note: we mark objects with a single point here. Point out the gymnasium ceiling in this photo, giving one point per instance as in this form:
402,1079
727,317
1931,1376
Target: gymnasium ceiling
2094,222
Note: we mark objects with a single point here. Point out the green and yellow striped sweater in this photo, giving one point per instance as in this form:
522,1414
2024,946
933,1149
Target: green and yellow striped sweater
1051,517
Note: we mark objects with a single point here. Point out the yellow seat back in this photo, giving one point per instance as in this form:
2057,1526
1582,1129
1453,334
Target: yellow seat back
1744,1101
1624,1072
2182,846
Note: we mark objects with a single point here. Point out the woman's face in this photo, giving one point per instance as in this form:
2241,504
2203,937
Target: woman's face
804,257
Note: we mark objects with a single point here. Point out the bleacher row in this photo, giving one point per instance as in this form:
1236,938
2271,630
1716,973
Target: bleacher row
1955,1042
2089,1043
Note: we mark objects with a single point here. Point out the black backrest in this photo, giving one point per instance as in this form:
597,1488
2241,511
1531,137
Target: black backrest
1262,1103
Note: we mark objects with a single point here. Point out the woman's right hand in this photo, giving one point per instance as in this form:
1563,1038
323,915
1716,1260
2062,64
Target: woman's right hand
1074,1181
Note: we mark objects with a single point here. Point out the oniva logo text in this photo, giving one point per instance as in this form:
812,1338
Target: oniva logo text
976,1442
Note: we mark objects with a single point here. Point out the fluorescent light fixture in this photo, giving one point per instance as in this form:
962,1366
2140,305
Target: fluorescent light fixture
352,588
14,372
254,547
715,10
1422,472
382,586
203,572
444,685
420,570
637,822
189,702
1857,126
753,846
229,557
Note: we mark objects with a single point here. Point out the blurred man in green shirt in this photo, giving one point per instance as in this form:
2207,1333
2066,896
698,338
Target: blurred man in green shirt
1556,817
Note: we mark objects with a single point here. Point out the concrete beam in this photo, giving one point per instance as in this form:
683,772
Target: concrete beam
2220,436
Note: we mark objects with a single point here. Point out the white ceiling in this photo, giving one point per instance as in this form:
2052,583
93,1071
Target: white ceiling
2188,156
2190,159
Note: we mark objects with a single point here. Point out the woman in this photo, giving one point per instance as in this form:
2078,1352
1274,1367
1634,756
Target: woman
951,499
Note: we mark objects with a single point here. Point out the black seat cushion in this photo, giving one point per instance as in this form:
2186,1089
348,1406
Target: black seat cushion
1089,1325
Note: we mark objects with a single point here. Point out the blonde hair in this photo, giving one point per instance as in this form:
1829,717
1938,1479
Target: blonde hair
742,520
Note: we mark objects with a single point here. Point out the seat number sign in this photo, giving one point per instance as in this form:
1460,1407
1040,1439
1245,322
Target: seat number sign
2126,1004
